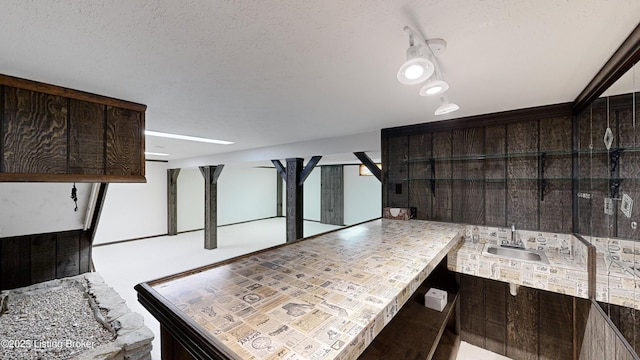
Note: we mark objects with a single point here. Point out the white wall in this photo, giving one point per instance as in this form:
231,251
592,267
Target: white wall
362,196
35,208
244,193
135,210
191,199
311,201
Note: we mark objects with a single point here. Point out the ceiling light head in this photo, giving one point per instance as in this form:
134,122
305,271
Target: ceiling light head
434,87
417,68
414,71
446,107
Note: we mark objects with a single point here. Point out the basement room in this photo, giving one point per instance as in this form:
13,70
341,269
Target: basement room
333,180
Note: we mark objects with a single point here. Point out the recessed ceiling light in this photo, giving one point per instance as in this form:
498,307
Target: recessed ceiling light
155,154
186,137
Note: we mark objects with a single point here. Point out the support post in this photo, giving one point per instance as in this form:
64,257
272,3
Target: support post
279,185
211,174
295,175
172,201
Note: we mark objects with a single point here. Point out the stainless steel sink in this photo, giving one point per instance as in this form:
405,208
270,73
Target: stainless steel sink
515,253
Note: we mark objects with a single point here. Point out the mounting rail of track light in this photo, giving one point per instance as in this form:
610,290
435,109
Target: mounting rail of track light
422,65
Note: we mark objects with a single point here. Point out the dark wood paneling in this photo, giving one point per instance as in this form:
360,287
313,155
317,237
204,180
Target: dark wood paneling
627,321
396,172
30,259
68,254
15,267
556,316
442,203
472,316
86,137
485,120
43,257
468,188
171,348
534,324
554,216
629,137
332,194
124,142
522,324
53,134
522,193
495,173
597,172
420,194
496,338
35,132
86,259
581,308
602,340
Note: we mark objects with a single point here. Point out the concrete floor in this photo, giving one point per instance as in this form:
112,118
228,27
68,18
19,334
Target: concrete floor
123,265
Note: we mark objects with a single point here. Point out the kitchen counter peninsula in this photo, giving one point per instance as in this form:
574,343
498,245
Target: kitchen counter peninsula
325,297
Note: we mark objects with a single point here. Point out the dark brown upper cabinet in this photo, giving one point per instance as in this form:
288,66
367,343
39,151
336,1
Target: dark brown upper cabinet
50,133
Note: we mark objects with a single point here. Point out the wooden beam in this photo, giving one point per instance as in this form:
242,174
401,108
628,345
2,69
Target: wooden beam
280,168
366,160
172,201
279,194
295,197
211,174
309,168
295,174
87,256
623,59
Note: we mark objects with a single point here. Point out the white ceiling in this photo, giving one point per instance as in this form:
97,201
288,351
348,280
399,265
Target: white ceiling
267,73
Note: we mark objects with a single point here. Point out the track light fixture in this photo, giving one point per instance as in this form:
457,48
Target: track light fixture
434,87
421,64
417,68
446,107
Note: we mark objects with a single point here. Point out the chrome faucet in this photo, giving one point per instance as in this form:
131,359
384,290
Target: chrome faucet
514,243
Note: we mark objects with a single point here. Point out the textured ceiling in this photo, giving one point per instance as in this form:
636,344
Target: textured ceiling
266,73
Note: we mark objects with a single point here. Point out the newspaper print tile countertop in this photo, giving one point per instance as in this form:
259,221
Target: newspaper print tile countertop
566,272
322,298
617,271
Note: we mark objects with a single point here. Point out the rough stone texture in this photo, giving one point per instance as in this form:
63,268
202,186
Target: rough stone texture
123,333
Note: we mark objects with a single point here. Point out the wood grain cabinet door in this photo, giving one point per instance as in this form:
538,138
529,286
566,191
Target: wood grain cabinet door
86,137
124,142
34,132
